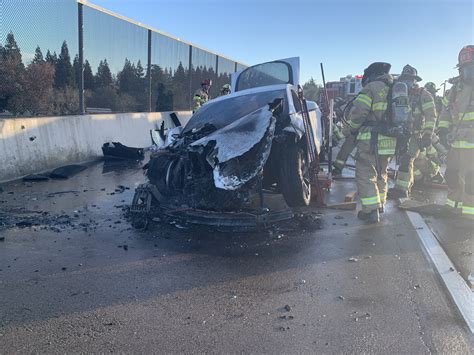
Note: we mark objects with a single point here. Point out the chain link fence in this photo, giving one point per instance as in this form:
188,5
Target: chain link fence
63,57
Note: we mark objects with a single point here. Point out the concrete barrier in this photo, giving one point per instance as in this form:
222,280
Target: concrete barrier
31,145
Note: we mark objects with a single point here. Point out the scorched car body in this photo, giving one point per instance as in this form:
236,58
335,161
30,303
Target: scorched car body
236,147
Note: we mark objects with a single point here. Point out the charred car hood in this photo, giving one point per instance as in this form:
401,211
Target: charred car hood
238,151
223,111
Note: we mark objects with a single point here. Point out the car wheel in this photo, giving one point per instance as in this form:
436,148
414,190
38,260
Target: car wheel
295,182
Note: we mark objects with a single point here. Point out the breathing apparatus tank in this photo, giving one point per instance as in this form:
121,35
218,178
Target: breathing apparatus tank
441,149
401,113
400,117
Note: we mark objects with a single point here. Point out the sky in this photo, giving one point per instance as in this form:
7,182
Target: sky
345,35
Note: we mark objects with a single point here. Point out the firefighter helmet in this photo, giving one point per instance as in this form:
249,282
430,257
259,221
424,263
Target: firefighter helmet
226,89
431,87
410,72
207,82
374,70
466,56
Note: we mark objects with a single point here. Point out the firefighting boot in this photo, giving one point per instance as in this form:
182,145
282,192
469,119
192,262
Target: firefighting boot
394,194
369,217
437,179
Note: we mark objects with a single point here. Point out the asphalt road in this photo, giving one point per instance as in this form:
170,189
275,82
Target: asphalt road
79,279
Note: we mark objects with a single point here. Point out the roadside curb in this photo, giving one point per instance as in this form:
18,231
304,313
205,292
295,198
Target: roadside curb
460,292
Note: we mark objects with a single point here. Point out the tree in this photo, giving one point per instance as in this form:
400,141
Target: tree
140,72
39,78
196,78
157,78
38,59
12,73
65,101
127,78
76,67
127,103
131,81
103,77
51,58
103,97
164,99
64,75
311,90
12,51
139,89
88,76
180,86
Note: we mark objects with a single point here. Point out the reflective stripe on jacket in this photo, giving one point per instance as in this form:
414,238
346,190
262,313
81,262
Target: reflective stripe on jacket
458,115
423,109
200,98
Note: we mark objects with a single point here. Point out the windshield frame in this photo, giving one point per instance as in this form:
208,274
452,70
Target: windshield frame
288,66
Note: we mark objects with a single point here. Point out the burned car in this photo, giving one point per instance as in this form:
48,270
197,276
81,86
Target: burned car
236,150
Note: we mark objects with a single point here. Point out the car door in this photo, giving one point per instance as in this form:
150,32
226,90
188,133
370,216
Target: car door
296,115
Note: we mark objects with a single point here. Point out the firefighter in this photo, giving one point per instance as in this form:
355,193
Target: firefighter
373,149
427,167
433,90
350,141
457,126
225,90
201,96
423,113
345,151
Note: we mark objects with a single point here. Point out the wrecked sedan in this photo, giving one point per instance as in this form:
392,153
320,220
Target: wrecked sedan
238,147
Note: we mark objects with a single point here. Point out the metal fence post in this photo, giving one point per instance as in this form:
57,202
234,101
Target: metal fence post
80,21
149,71
190,77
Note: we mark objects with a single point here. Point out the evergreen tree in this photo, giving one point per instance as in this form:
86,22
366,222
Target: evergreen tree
64,75
12,72
38,59
139,89
140,71
39,78
180,87
88,76
51,58
156,79
127,78
196,79
76,69
311,90
103,77
164,99
12,51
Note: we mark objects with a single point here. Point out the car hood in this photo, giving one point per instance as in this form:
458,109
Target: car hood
237,152
223,111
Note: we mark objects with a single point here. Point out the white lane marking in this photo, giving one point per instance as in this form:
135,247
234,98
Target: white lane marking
462,295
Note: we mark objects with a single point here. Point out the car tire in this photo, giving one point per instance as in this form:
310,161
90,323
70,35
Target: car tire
295,183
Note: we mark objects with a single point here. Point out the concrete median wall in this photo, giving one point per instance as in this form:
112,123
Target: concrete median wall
31,145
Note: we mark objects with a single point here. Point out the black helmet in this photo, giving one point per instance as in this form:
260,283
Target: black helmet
374,70
410,72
